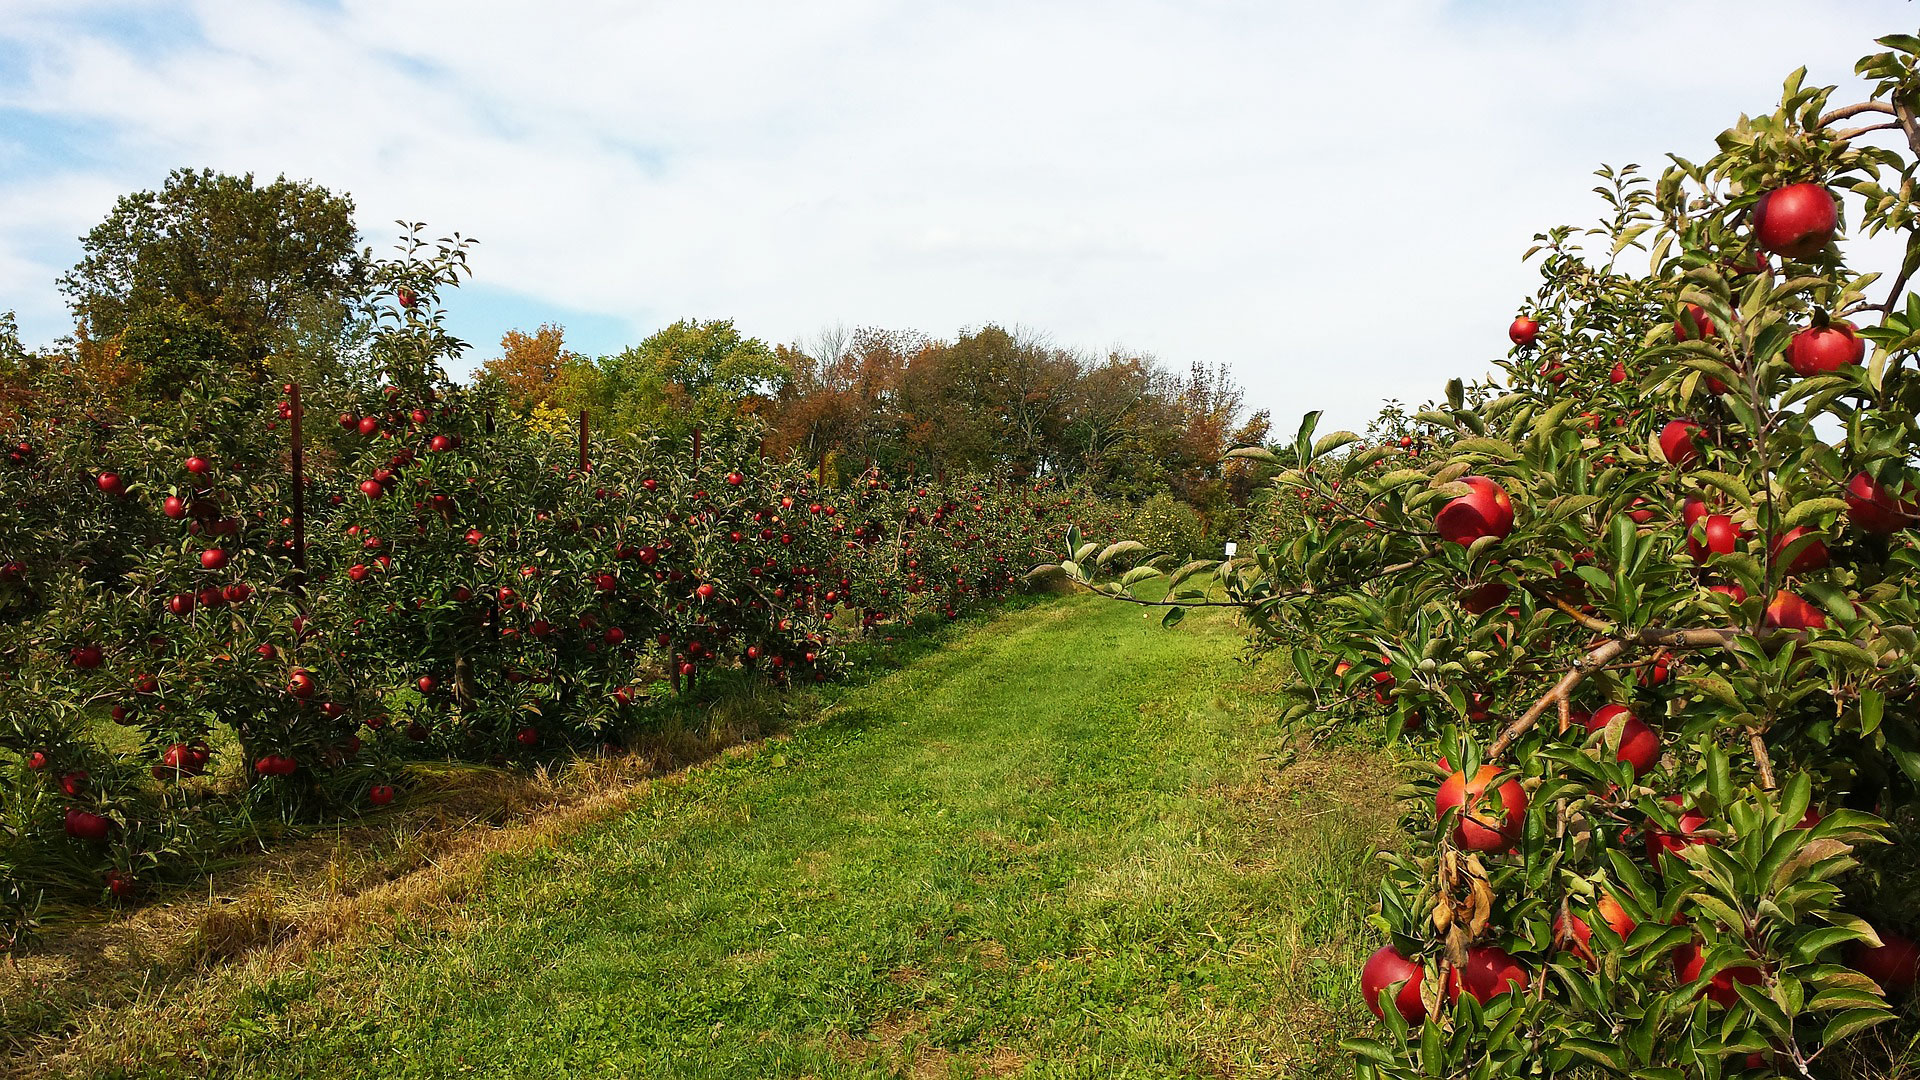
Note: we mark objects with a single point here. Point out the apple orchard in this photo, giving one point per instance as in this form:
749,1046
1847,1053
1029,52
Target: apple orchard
259,605
1650,605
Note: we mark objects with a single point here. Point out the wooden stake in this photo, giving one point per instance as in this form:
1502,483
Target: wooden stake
299,456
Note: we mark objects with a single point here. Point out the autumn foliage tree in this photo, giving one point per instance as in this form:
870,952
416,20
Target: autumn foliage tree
530,368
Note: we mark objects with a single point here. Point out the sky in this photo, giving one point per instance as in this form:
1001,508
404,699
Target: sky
1331,198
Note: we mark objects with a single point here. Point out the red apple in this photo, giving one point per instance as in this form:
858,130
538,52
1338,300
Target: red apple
1385,969
199,466
1692,317
1679,441
1895,964
1484,598
1486,511
1721,537
1578,932
84,825
1819,350
1691,822
1788,611
1689,961
1489,972
1796,221
1692,510
1872,508
380,794
1523,331
1731,591
1492,827
1810,558
213,559
1639,746
111,483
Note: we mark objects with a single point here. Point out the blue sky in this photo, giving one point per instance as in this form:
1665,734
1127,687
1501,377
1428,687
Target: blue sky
1332,198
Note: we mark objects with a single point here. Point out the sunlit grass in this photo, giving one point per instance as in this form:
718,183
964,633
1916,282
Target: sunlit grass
1060,846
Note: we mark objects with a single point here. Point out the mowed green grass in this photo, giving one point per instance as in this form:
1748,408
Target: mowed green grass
1069,844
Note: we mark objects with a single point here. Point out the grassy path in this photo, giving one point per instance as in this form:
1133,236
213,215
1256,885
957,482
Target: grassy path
1060,847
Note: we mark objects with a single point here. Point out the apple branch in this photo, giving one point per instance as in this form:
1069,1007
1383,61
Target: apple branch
1587,664
1854,133
1598,626
1756,739
1847,111
1903,110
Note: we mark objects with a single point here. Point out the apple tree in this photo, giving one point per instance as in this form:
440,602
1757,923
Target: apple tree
1649,600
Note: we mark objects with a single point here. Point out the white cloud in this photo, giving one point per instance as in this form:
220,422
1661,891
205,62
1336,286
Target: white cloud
1332,198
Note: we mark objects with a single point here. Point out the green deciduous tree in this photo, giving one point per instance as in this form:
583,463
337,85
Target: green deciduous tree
270,264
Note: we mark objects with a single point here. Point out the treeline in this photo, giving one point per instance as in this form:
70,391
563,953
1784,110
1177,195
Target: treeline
269,281
990,400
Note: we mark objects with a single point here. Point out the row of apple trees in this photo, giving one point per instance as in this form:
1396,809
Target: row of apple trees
1650,602
193,642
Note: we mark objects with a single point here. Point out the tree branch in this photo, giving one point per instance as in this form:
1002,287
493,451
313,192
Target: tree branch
1903,109
1761,760
1594,660
1853,133
1846,111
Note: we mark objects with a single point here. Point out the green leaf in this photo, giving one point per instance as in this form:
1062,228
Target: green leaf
1717,687
1122,547
1253,453
1873,705
1729,484
1804,512
1330,443
1854,655
1398,478
1195,567
1851,1022
1172,618
1611,1055
1303,439
1371,1050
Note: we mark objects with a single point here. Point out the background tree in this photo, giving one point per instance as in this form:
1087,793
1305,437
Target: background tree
530,368
694,374
276,267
